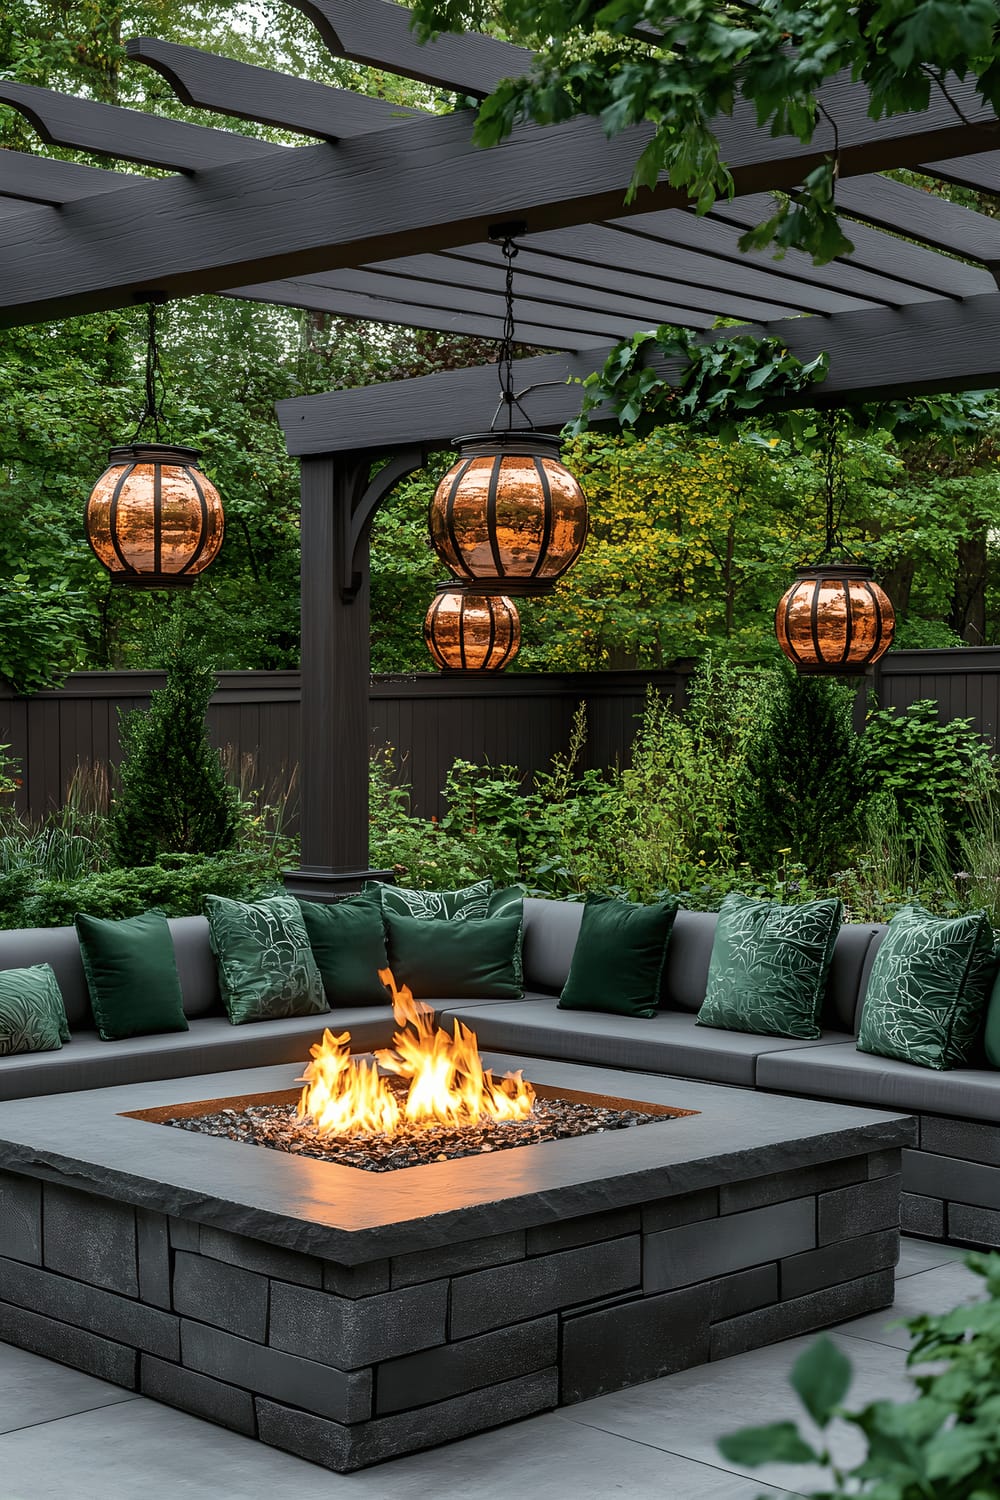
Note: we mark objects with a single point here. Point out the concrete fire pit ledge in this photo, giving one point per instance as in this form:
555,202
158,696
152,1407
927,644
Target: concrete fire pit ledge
349,1316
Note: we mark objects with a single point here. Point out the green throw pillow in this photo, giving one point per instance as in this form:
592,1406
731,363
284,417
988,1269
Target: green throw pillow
617,964
131,975
769,966
32,1015
991,1036
266,966
348,943
927,992
396,900
475,959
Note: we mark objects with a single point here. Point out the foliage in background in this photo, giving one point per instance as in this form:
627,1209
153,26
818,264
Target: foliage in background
173,797
800,790
944,1444
680,67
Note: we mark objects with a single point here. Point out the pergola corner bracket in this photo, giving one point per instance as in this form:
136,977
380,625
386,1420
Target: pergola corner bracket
366,497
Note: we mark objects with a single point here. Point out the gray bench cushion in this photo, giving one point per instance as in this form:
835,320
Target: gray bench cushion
842,1073
211,1046
670,1043
551,929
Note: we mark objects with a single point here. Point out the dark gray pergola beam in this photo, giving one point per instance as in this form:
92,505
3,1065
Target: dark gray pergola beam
129,134
46,180
920,215
387,300
397,192
378,33
926,347
244,92
980,172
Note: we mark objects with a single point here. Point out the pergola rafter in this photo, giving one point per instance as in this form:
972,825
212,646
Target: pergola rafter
383,214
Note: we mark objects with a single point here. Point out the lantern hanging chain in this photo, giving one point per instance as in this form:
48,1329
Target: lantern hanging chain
505,353
835,548
156,386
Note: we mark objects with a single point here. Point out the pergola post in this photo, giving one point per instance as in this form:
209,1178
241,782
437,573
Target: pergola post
334,755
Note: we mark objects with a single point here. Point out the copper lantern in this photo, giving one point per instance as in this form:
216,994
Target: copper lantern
834,620
508,518
153,519
468,632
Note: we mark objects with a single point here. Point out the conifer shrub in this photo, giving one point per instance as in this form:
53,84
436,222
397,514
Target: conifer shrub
172,795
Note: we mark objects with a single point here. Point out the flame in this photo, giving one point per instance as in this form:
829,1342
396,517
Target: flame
448,1084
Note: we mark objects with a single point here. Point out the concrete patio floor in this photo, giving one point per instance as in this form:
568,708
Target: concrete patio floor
66,1435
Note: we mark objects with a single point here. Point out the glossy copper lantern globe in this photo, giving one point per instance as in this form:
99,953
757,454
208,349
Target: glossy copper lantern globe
153,519
508,518
472,632
834,620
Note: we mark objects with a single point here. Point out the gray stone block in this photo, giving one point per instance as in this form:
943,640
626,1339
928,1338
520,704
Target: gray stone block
350,1333
199,1394
641,1340
437,1374
697,1252
153,1243
453,1260
530,1288
356,1281
817,1310
254,1255
185,1234
70,1346
844,1260
920,1215
972,1141
20,1218
858,1210
225,1296
90,1238
83,1306
952,1178
885,1163
344,1449
687,1208
974,1226
320,1389
735,1197
743,1291
589,1230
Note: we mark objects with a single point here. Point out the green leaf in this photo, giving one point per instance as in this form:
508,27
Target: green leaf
821,1378
779,1443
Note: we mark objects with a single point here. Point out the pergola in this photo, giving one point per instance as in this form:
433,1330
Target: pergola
386,216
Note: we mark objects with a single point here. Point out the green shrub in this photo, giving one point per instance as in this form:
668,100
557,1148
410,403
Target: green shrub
942,1445
935,771
173,795
802,776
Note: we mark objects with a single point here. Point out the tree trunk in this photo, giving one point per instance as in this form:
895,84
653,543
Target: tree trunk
968,605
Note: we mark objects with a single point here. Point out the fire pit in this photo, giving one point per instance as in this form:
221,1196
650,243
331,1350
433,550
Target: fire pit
349,1316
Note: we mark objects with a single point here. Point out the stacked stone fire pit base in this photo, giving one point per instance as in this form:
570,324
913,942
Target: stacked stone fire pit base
349,1321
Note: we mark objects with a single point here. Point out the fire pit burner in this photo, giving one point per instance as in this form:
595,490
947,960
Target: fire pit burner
276,1125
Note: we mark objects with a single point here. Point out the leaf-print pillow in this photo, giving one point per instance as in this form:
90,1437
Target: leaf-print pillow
926,997
769,966
473,902
266,967
32,1015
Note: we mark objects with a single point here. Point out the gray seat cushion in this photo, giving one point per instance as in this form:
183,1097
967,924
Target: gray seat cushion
842,1073
669,1043
211,1046
689,953
551,929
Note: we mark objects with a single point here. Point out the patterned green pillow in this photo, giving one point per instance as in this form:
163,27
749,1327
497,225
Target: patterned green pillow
266,967
769,966
926,997
32,1016
396,900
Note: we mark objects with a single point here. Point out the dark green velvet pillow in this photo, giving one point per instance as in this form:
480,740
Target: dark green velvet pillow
348,943
266,967
396,900
32,1015
131,975
991,1037
475,959
769,966
927,992
617,964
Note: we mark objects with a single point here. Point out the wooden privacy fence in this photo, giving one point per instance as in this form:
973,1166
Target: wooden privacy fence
426,720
